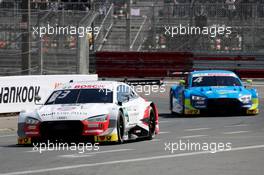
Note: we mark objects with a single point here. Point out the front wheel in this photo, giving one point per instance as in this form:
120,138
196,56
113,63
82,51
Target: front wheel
171,103
152,124
120,128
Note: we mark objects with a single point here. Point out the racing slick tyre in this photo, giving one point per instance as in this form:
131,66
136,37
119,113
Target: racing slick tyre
152,124
120,128
171,106
171,103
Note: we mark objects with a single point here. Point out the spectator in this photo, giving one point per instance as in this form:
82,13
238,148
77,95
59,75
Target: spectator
85,5
260,6
231,8
247,9
201,18
101,13
53,5
162,41
175,7
39,4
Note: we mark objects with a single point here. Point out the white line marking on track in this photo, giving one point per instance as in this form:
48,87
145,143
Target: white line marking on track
164,132
63,168
37,151
197,129
34,151
229,126
1,136
93,153
76,156
235,132
46,150
164,121
193,136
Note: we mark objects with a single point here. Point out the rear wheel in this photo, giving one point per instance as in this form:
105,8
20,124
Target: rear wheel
171,103
120,128
152,124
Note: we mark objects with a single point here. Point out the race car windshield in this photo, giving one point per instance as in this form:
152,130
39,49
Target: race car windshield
215,81
80,96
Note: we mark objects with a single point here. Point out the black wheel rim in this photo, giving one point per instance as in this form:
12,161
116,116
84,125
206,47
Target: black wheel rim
120,129
152,123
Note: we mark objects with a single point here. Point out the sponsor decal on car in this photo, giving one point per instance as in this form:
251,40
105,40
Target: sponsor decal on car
214,74
107,138
24,140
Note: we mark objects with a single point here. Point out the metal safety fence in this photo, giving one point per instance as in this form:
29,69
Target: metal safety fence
149,22
56,28
138,25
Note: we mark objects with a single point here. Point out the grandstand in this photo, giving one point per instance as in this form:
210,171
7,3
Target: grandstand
142,30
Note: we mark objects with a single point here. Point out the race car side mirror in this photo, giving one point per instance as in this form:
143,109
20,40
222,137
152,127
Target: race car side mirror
119,103
182,82
123,98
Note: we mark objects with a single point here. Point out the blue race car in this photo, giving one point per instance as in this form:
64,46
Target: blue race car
214,92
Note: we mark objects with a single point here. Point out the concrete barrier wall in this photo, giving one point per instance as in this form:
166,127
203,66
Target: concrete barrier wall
163,64
141,64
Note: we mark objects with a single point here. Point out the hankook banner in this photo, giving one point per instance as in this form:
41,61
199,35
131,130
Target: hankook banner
17,93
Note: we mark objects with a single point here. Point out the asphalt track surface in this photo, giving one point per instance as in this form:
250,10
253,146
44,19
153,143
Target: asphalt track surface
244,134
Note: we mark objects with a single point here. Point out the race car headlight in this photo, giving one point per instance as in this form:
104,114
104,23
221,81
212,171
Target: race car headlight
98,118
197,98
32,121
198,101
245,99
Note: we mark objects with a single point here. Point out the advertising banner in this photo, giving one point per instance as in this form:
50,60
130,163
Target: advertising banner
17,93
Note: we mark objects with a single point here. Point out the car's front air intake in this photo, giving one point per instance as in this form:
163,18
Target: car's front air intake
52,129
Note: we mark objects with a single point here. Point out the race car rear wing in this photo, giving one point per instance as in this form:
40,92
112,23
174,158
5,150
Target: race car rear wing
143,82
179,74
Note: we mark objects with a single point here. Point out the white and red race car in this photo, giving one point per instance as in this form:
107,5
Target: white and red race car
106,111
